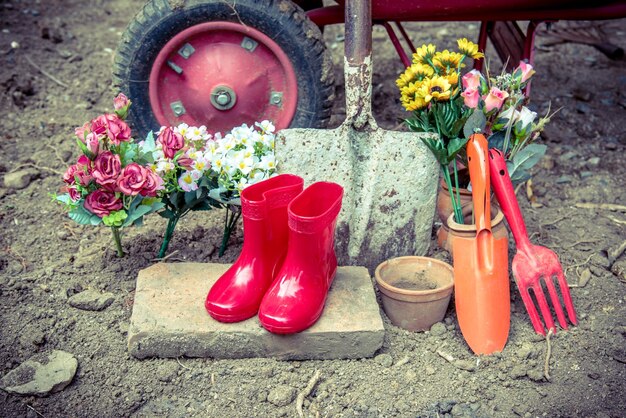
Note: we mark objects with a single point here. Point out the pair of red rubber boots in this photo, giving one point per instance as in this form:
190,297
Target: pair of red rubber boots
287,262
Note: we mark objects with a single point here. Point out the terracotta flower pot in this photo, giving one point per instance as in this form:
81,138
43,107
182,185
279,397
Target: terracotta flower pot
415,291
468,230
444,205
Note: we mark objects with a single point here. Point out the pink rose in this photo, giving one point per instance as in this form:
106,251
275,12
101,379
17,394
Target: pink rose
153,184
171,142
93,143
185,162
134,178
115,128
81,131
471,80
99,125
81,171
494,99
120,102
102,202
471,97
107,168
74,193
526,69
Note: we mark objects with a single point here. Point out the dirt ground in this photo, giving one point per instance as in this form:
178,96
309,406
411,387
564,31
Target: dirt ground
45,257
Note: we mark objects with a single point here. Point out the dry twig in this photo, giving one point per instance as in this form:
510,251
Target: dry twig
182,365
38,167
557,220
604,206
546,365
582,241
35,411
166,257
616,253
306,392
47,74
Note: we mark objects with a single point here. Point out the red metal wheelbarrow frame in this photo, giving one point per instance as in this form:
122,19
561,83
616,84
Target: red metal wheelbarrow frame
498,20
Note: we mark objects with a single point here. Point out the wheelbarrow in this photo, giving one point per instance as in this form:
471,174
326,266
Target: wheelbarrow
222,63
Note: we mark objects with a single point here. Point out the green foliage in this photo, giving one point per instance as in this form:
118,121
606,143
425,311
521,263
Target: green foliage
115,218
476,122
82,216
521,163
139,207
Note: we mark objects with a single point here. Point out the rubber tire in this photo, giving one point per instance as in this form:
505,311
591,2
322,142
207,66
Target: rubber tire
281,20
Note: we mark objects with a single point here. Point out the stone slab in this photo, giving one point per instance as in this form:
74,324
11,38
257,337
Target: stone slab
169,319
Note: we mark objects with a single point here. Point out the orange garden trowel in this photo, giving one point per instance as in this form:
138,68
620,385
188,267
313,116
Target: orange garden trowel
481,270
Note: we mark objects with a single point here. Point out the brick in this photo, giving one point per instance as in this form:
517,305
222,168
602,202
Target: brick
169,319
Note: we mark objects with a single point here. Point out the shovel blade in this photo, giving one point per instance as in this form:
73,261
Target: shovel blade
390,187
482,300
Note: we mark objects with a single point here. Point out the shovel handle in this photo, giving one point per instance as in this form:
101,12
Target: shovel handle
479,175
503,189
358,24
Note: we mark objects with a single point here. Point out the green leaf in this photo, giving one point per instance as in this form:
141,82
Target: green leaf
497,141
167,214
115,218
84,149
521,163
190,197
454,146
476,121
82,216
141,210
128,152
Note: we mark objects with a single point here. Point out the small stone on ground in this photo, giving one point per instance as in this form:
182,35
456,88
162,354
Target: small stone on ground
91,300
41,374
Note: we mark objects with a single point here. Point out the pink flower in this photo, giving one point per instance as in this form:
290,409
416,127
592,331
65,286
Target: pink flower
471,80
102,202
135,179
99,126
153,183
107,168
81,131
185,162
171,142
471,97
526,69
74,193
494,99
121,101
93,143
115,128
81,171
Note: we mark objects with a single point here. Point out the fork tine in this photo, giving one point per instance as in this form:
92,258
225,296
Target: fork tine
567,298
532,311
556,303
543,306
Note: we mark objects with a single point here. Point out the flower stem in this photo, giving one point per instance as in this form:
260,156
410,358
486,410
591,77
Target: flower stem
118,240
169,233
456,207
232,216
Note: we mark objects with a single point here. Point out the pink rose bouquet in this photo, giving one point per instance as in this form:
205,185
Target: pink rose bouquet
111,182
499,110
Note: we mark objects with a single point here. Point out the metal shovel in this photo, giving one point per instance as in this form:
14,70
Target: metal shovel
481,266
389,178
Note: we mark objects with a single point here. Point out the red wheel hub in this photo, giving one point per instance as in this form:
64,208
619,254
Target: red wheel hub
222,74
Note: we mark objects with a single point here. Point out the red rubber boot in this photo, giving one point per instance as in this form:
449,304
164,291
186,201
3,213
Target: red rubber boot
296,298
238,293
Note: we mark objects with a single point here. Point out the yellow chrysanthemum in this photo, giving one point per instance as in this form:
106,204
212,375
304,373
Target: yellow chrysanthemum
412,97
424,54
437,88
446,59
405,78
452,77
422,71
469,48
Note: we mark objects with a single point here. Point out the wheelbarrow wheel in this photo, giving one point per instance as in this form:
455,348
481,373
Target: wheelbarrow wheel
221,64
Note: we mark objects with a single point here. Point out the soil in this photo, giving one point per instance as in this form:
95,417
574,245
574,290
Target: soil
418,281
45,257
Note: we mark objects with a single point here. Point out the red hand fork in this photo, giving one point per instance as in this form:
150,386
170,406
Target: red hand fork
532,262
